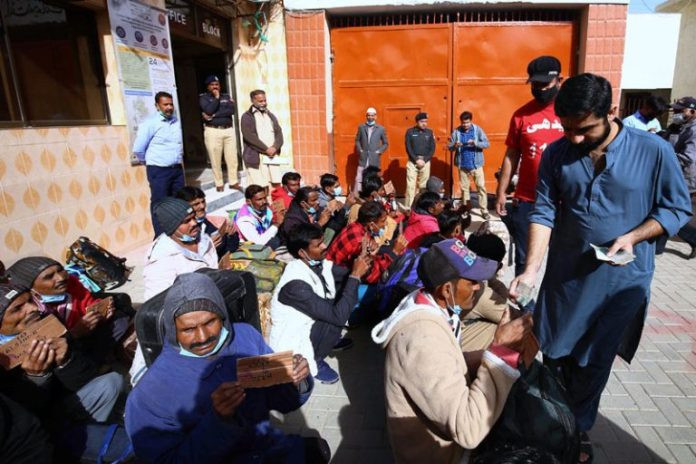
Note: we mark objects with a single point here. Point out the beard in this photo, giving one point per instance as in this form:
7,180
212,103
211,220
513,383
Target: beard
589,146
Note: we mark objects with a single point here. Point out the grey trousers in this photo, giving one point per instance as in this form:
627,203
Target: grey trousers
96,399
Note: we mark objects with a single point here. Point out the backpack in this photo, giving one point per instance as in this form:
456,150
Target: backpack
267,272
537,414
400,279
237,288
103,268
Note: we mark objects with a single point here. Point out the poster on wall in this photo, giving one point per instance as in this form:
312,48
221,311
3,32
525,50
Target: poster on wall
143,52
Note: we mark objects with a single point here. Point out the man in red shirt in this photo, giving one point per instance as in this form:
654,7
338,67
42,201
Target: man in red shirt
348,245
290,184
532,128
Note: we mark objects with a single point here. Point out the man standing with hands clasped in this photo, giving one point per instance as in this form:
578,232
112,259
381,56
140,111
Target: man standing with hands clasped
611,186
420,147
217,110
370,143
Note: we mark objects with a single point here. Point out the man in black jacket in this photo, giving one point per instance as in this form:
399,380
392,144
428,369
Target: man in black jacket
263,138
420,147
304,209
54,377
217,110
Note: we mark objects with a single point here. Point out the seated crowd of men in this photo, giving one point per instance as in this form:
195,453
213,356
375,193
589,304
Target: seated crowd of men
187,405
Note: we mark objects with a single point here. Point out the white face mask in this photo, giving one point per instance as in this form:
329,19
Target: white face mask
679,118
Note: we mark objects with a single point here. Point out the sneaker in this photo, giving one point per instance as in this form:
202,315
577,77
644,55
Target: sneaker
325,374
343,344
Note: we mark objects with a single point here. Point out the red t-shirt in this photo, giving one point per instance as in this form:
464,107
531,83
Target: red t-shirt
532,128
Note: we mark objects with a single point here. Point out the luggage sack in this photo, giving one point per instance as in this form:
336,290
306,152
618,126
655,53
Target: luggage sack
237,288
267,272
102,267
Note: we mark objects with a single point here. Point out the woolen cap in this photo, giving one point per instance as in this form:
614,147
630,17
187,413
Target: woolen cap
449,260
434,184
25,271
9,293
170,213
421,115
544,69
210,79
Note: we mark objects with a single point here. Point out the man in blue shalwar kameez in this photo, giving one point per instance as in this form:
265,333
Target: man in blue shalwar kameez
611,186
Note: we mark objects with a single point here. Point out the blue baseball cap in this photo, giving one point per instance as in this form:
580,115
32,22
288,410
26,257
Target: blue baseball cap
211,78
451,259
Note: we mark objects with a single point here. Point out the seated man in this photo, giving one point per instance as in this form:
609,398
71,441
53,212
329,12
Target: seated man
304,209
181,248
423,218
330,190
373,190
189,408
56,380
360,236
223,238
289,185
63,295
433,414
450,225
255,221
307,313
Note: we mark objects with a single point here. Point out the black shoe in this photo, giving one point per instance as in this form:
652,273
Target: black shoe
317,450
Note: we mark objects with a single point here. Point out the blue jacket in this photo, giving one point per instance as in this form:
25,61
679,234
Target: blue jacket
480,142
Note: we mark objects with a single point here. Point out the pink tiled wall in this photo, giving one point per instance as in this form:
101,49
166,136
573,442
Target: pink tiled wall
62,182
306,78
604,47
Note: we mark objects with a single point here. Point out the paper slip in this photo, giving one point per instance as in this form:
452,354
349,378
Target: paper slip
102,306
278,206
524,294
621,257
12,353
276,160
265,370
389,188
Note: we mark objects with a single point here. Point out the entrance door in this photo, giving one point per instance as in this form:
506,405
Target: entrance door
442,69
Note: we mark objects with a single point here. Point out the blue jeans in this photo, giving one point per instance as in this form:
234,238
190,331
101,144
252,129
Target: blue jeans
517,222
164,182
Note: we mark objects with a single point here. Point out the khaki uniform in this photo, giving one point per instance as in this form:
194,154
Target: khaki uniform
415,180
218,141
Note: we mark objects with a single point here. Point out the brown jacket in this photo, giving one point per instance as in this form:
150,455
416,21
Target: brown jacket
433,415
252,144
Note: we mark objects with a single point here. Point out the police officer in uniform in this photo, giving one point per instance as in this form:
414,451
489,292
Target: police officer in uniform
218,132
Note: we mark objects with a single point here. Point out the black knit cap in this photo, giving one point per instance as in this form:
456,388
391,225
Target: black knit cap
170,213
421,115
9,293
25,271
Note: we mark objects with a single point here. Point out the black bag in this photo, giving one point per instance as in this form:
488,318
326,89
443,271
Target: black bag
103,268
95,444
537,415
237,288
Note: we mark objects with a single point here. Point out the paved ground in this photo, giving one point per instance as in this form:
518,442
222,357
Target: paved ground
647,413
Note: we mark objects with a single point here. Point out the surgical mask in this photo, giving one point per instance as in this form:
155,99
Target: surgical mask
312,210
679,118
370,123
454,308
200,220
52,299
338,191
258,212
186,238
442,194
223,336
545,96
312,262
380,233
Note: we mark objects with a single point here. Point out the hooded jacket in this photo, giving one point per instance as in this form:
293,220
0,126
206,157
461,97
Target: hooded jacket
166,260
433,415
169,414
419,225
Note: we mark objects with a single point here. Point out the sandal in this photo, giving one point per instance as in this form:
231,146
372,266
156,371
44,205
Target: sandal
586,448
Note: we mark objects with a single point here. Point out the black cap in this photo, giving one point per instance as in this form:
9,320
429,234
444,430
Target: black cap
211,78
685,103
421,115
544,69
170,213
9,293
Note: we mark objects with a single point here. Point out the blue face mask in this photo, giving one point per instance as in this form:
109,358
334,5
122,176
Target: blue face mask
338,191
200,220
370,123
380,233
312,210
260,213
454,308
186,238
223,336
52,299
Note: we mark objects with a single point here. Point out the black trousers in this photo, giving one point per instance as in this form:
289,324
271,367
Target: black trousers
164,182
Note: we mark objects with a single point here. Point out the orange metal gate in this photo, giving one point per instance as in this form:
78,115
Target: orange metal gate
442,69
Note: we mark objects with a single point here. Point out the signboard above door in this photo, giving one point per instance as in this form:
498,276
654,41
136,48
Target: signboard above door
191,21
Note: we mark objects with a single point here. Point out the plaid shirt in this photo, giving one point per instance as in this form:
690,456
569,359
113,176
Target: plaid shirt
348,245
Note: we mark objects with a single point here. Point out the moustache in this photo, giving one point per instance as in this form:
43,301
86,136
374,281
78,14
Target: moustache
35,316
212,339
